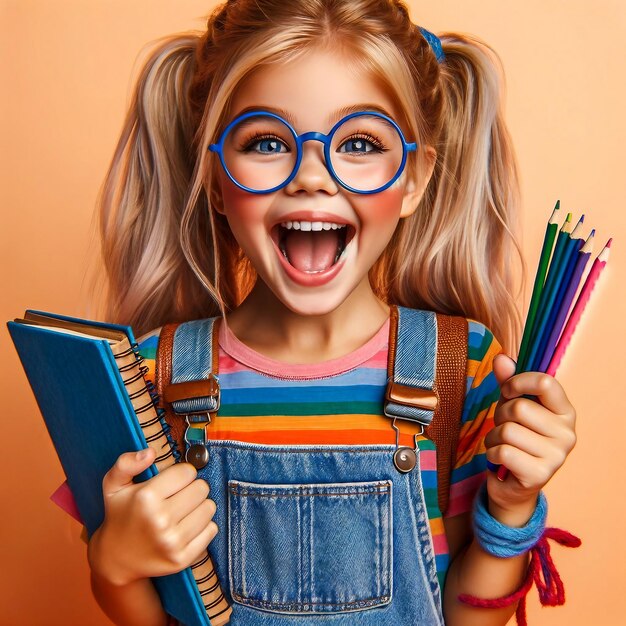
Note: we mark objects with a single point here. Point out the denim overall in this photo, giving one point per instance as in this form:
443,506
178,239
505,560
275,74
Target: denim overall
320,534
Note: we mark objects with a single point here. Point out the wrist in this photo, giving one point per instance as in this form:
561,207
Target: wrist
515,515
100,562
504,540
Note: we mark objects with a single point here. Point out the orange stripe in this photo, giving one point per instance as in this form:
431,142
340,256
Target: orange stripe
293,436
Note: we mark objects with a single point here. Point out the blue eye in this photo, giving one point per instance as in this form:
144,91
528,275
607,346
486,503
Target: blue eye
356,145
269,145
361,145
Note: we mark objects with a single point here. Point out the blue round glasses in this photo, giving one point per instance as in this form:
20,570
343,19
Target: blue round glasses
364,152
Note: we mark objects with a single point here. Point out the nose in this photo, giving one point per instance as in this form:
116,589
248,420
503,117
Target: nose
312,175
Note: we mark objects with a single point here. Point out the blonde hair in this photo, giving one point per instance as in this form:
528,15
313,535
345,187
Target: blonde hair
170,257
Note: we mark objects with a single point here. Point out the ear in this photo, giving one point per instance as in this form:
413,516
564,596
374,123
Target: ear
415,189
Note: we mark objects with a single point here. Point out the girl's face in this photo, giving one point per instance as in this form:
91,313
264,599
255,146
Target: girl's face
299,265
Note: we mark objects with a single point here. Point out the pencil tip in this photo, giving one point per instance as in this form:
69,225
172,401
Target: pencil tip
569,217
582,219
593,232
609,242
558,205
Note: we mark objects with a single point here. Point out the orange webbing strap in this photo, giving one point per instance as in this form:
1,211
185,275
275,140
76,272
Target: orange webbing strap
162,378
450,382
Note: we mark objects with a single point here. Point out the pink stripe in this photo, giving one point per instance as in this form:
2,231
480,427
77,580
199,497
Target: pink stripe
440,544
428,460
462,495
247,356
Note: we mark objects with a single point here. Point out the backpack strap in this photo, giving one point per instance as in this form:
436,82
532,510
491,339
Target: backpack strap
426,382
187,364
451,385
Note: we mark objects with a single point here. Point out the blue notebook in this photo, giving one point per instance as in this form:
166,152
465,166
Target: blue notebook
86,404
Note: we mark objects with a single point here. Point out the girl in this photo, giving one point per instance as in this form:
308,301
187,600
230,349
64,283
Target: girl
301,169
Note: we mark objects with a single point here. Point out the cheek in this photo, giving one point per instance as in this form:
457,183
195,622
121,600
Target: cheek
243,210
381,210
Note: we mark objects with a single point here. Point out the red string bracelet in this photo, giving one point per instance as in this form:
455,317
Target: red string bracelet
541,571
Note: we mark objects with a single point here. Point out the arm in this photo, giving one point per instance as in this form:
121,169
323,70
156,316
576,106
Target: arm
153,528
473,571
532,439
134,604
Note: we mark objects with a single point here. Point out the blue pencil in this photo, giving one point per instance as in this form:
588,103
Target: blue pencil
573,284
553,275
568,264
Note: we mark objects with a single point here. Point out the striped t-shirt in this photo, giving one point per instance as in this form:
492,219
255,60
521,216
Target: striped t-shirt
340,401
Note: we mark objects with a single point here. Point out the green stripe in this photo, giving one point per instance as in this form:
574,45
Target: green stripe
299,408
477,353
441,576
148,353
484,403
432,502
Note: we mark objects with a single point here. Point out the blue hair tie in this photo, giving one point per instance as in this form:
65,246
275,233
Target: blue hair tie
507,541
434,42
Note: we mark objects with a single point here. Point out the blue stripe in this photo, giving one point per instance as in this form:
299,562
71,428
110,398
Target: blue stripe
442,561
277,395
476,396
429,479
358,376
477,465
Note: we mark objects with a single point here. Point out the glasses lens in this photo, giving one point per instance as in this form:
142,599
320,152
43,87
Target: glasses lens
260,152
366,152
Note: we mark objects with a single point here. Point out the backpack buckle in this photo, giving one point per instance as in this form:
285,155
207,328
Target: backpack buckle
405,395
194,397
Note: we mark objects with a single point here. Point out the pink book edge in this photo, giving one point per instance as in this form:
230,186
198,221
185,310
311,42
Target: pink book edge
64,498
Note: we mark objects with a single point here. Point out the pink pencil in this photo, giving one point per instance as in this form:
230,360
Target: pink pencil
579,307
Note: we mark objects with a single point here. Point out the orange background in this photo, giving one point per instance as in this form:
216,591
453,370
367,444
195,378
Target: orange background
65,71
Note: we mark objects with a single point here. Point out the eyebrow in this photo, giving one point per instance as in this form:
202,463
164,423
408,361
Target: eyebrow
331,120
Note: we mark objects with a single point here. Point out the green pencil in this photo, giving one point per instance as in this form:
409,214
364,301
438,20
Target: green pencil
544,260
561,243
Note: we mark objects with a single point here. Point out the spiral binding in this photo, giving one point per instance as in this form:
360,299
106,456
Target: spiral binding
131,373
135,372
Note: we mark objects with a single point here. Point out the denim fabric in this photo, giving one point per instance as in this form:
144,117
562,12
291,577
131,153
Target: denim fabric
321,534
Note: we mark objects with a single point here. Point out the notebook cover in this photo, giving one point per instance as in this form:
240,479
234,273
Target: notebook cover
91,422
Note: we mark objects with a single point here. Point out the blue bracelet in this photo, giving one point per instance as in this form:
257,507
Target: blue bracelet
507,541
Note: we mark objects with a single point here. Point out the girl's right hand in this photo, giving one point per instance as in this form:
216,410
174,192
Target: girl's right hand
152,528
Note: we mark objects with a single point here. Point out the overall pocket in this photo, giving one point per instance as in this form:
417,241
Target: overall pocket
310,548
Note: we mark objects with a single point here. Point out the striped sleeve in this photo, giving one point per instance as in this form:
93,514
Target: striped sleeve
481,397
147,349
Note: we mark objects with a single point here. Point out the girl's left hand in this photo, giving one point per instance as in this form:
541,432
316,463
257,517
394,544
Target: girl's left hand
531,438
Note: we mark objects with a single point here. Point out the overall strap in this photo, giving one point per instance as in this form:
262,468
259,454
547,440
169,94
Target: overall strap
426,380
186,375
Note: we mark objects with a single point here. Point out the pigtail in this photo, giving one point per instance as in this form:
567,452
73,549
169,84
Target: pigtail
458,253
144,194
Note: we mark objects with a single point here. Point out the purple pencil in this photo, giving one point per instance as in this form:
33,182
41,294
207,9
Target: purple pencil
574,283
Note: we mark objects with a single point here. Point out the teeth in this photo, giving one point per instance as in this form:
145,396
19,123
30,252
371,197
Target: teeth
303,225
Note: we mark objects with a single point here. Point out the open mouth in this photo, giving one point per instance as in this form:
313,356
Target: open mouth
312,247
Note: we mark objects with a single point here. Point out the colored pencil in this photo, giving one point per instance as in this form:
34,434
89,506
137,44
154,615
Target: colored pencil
568,264
540,277
596,269
572,284
561,241
550,290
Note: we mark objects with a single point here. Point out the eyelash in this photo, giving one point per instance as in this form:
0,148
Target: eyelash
256,137
375,141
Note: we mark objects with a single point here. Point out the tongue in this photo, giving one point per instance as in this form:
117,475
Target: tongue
311,251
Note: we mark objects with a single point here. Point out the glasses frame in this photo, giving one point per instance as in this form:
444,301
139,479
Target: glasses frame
218,148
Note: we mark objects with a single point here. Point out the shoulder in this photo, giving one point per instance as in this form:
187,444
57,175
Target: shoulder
147,346
481,342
